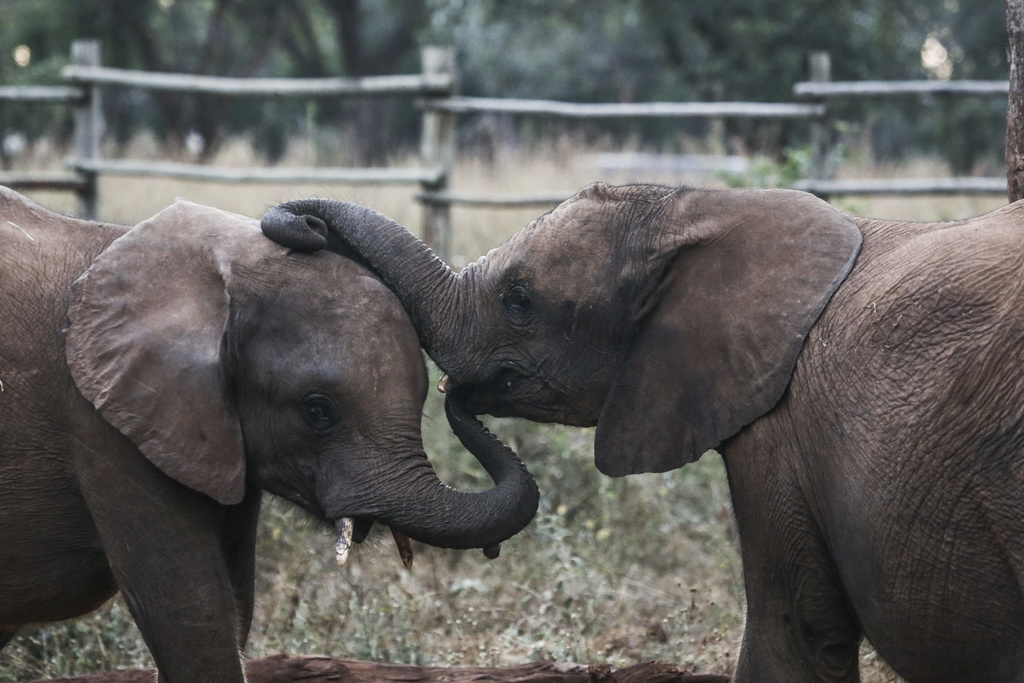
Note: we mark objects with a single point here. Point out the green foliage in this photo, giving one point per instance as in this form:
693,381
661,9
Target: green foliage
766,172
75,647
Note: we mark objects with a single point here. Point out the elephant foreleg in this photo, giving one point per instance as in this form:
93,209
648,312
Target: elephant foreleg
239,544
164,545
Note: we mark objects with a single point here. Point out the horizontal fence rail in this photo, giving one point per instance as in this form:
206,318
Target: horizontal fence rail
465,105
902,186
278,174
506,201
44,180
41,93
823,90
416,84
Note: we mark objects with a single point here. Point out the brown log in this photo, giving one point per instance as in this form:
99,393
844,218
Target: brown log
1015,104
282,669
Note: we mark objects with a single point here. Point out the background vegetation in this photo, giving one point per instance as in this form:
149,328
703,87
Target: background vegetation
616,571
577,50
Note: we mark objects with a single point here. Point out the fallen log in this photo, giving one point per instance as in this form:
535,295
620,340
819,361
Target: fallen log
312,669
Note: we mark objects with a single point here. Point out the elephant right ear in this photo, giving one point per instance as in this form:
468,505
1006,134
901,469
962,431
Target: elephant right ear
737,280
145,343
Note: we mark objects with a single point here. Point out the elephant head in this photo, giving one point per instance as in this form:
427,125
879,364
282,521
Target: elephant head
229,361
669,318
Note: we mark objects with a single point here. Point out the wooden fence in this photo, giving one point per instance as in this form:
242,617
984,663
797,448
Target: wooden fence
86,132
86,77
820,89
435,87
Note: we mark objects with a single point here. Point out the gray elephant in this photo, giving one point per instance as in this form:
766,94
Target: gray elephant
154,379
863,379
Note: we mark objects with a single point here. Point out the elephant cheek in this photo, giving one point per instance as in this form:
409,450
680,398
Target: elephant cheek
289,478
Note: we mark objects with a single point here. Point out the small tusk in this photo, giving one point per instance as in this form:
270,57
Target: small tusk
444,384
404,548
493,551
344,527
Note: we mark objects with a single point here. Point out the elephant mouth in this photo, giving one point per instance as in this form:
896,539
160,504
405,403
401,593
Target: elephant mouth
356,529
513,394
361,528
494,396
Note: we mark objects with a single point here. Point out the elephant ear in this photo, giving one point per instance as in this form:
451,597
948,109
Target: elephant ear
731,287
146,339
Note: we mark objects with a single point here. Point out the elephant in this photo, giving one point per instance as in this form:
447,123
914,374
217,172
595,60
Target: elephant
862,379
156,379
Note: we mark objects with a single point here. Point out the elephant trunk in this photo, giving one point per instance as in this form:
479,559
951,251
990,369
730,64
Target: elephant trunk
428,289
434,513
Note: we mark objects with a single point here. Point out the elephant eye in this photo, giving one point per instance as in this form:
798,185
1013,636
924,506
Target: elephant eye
318,412
516,300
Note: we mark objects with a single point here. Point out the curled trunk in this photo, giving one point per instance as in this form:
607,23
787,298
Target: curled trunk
411,499
423,283
439,515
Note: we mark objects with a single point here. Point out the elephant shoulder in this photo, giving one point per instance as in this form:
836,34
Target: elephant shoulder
42,253
919,287
42,248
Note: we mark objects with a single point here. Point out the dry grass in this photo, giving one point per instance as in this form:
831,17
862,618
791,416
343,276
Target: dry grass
617,571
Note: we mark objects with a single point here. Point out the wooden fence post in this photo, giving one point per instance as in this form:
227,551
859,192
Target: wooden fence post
820,67
1015,104
437,151
88,127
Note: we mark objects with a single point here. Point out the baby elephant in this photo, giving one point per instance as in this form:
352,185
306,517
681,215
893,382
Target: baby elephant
154,379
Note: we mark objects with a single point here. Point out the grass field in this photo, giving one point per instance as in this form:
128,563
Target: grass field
611,570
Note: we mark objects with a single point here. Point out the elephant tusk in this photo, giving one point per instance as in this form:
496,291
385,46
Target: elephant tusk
444,384
492,552
344,527
404,548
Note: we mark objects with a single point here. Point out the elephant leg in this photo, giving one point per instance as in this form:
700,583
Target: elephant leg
164,545
802,633
239,544
799,625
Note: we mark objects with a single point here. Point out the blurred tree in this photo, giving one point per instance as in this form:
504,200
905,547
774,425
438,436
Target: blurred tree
577,50
208,37
647,50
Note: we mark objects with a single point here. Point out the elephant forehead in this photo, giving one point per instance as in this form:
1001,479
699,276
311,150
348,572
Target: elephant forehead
574,239
322,286
356,325
348,317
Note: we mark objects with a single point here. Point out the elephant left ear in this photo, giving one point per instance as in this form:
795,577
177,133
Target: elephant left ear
732,282
146,340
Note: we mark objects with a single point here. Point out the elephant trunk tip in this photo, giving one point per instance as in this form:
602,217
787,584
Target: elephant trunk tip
300,232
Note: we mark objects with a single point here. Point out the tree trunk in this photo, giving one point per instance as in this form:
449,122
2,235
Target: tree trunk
1015,108
282,668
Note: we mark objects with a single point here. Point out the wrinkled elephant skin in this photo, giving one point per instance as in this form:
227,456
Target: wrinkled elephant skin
154,380
864,381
